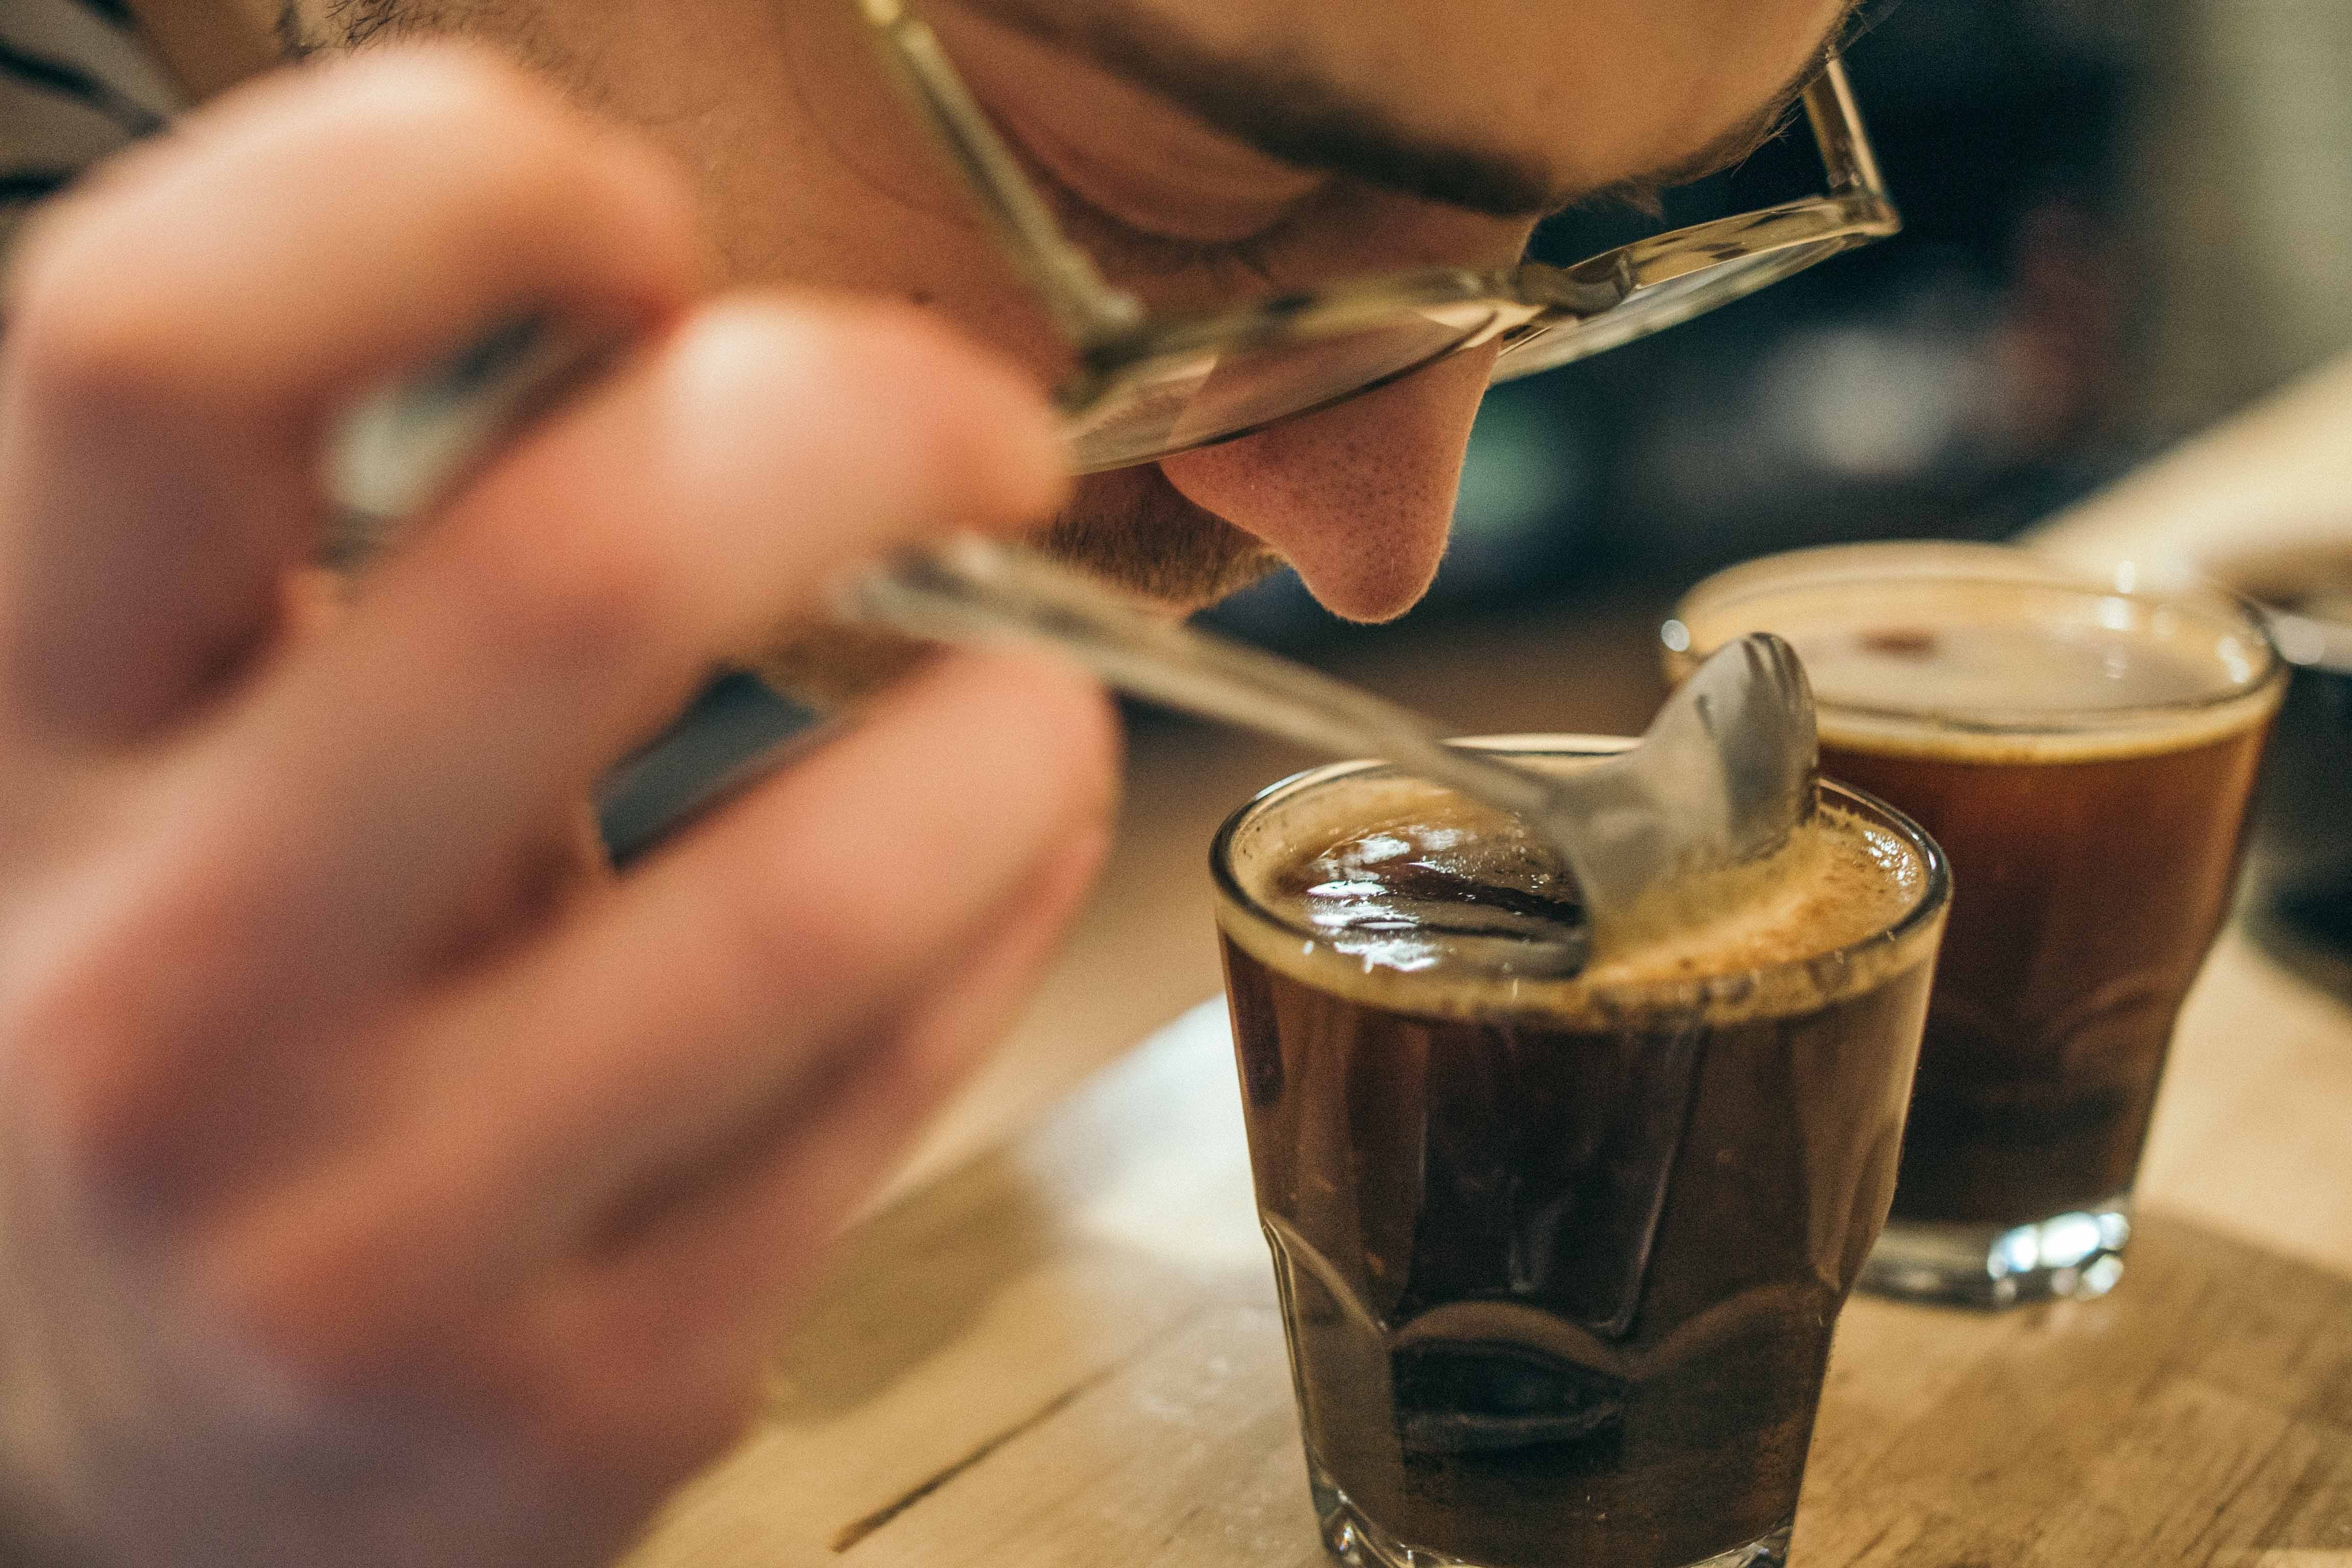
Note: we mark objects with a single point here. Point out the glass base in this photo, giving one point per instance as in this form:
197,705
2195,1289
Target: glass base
1359,1542
2074,1255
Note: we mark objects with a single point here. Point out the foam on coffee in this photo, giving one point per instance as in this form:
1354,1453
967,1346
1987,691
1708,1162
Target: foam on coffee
1401,894
2008,671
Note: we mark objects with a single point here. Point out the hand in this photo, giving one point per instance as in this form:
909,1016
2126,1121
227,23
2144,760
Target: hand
378,1184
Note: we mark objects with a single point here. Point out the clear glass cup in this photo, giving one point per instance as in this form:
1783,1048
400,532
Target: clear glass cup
2084,754
1559,1261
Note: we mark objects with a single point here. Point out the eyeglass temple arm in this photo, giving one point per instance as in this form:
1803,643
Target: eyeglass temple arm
1837,119
1087,308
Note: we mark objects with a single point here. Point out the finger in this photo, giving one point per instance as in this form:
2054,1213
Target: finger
802,1174
575,599
178,338
729,980
328,840
651,1349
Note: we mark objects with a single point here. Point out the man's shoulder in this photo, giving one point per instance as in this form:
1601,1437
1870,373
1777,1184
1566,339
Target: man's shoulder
75,86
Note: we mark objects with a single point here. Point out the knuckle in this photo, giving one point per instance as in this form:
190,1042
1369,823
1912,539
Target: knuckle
108,312
135,1018
890,343
292,1334
984,435
873,351
79,342
785,942
635,1399
592,595
104,1093
319,1308
912,1070
1055,730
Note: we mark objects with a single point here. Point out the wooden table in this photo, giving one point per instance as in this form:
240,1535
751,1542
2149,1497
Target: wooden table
1067,1351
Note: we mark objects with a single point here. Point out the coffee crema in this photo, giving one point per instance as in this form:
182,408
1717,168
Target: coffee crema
1401,893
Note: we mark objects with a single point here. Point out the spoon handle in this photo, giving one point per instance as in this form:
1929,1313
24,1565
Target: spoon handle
970,589
403,448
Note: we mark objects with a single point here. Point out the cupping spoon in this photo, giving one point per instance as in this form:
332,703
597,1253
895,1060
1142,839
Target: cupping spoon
1720,780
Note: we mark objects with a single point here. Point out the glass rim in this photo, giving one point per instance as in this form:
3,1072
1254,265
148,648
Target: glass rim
1781,573
1733,991
2277,579
2316,643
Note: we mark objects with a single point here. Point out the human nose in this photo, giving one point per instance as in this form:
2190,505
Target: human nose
1357,498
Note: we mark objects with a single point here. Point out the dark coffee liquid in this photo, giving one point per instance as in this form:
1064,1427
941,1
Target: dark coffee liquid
2092,860
1559,1286
2086,893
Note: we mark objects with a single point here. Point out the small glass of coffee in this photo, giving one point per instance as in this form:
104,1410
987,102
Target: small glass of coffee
1559,1253
2084,754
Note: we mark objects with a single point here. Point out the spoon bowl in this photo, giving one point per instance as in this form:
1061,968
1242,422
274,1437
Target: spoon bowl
1722,777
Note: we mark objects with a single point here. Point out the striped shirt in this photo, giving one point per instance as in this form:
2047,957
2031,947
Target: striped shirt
76,84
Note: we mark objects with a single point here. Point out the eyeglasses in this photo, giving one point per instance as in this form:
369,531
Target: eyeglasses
1148,385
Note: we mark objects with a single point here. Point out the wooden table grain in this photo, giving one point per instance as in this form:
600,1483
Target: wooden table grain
1065,1353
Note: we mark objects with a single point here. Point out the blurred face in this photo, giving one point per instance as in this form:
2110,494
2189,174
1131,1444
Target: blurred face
1203,151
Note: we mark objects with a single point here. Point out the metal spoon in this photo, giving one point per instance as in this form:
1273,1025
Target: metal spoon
1721,779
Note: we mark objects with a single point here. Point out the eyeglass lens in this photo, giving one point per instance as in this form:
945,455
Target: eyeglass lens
1172,401
1654,307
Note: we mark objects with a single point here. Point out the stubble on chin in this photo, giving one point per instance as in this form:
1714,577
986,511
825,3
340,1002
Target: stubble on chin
1131,529
348,24
1136,531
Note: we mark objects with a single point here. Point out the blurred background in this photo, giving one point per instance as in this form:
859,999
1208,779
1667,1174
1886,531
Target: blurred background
2125,220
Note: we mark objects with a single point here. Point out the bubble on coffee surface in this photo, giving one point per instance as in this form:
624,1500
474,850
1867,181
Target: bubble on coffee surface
1914,643
1408,894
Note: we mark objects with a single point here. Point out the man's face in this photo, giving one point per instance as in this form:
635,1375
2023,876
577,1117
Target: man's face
1204,152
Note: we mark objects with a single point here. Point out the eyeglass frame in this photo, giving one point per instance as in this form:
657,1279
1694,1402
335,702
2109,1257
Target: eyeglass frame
1114,336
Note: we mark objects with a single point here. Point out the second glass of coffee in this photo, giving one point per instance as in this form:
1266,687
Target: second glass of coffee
1559,1253
2084,756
